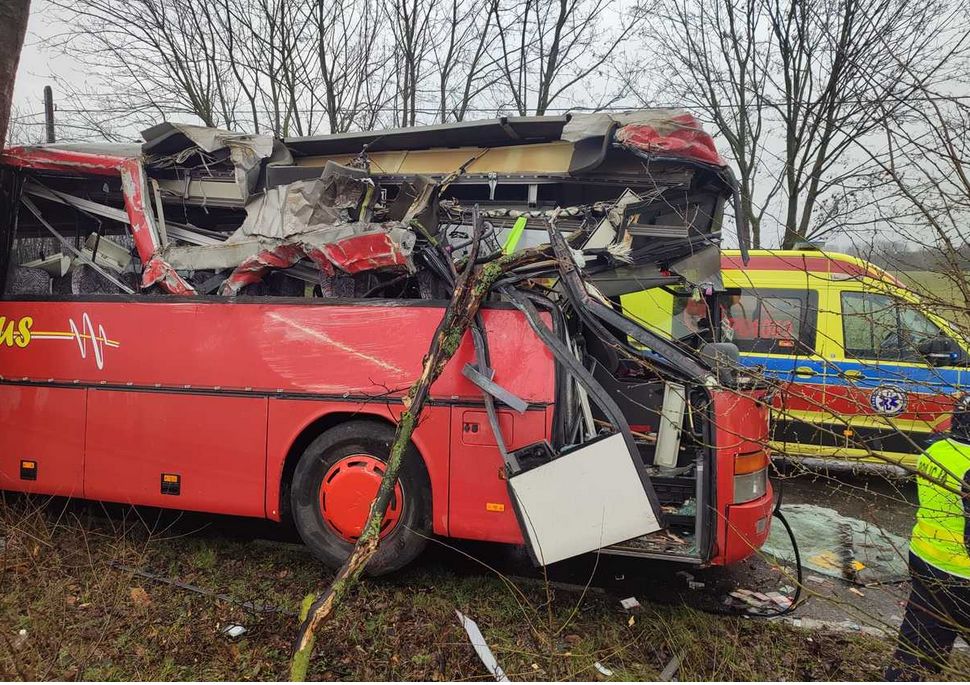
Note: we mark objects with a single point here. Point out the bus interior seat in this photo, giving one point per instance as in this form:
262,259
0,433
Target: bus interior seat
25,280
86,281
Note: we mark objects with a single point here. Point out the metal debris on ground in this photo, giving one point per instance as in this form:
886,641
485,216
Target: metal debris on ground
481,647
234,630
831,626
629,603
603,669
840,546
248,606
782,601
756,602
668,675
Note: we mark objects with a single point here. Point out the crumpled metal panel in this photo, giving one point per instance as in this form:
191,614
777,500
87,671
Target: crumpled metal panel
169,143
145,233
301,207
369,249
158,271
253,269
350,248
671,133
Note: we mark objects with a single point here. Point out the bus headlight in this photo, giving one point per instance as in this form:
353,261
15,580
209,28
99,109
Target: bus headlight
750,486
750,476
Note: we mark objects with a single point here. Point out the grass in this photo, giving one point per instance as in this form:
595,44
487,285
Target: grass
87,618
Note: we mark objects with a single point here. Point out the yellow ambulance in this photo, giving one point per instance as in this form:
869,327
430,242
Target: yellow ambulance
864,372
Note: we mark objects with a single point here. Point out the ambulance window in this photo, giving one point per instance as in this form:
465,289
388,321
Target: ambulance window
762,323
882,327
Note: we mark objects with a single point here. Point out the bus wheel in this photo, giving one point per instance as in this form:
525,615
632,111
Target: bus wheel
333,486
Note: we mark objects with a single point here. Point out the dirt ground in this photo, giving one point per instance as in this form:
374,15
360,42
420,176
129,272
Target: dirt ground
75,604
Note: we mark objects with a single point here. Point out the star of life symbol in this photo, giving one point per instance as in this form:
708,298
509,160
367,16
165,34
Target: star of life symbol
888,400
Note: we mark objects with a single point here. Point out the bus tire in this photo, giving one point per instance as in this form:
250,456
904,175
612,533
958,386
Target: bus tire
329,514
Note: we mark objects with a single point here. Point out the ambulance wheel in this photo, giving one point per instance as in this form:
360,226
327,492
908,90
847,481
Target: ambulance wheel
334,483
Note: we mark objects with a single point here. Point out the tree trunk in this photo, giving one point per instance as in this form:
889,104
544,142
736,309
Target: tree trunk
13,28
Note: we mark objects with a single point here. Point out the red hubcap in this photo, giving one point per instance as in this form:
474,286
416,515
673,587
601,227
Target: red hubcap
347,490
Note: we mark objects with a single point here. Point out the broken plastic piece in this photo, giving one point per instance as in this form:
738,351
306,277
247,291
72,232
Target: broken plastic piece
586,498
670,670
106,253
481,647
603,669
234,630
629,603
670,133
57,265
515,235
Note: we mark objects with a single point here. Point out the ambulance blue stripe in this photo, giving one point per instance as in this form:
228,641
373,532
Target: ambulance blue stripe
924,380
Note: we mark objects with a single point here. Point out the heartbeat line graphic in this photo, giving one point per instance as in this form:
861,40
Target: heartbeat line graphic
99,340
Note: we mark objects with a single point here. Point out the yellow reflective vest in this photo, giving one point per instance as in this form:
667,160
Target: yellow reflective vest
943,482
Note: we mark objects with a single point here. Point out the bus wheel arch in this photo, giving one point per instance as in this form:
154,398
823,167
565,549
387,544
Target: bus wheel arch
334,459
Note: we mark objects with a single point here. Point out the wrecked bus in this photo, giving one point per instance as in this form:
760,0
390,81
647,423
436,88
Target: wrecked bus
228,323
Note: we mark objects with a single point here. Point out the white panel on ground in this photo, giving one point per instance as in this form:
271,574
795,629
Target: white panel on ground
586,499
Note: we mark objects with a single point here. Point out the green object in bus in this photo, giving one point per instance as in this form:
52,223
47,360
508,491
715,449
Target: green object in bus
512,241
653,309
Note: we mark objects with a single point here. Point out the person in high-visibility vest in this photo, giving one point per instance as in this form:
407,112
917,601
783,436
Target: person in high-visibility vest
939,556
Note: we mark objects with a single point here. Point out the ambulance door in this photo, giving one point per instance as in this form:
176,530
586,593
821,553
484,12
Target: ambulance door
892,398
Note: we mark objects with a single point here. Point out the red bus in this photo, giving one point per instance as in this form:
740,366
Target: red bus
126,384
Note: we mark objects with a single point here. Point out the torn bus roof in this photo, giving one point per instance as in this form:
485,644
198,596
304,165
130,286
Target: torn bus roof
652,130
222,211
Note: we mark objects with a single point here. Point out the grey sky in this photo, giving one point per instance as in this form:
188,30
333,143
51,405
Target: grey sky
40,65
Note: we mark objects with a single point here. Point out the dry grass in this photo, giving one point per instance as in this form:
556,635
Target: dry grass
87,619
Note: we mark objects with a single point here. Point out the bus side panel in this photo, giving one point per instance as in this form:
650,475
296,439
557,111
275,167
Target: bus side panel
480,504
46,426
289,418
325,349
216,445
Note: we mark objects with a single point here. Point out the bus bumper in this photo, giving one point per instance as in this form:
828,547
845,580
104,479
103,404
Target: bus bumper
747,527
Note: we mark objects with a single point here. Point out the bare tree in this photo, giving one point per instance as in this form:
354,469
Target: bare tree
298,67
463,36
926,156
351,59
793,85
834,62
410,22
548,47
13,28
24,128
714,58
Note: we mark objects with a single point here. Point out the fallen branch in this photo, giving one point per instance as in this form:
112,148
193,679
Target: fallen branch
472,287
